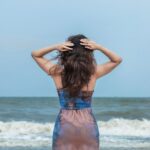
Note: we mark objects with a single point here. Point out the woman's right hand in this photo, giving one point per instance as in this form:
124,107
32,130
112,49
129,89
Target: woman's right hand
89,44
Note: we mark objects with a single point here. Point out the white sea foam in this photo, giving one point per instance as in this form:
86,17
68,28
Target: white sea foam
125,127
117,132
23,133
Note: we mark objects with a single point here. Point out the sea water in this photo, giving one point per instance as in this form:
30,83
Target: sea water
26,123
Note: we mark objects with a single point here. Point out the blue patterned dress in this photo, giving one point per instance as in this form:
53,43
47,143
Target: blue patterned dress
75,126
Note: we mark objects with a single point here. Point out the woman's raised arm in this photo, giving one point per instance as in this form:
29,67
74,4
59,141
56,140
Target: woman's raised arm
44,63
103,69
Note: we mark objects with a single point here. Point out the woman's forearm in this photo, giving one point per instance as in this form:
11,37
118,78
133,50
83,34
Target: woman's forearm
110,54
43,51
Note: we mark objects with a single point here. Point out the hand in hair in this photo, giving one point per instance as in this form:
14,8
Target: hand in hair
65,46
89,44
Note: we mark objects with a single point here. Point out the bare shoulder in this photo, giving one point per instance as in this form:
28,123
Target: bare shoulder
56,70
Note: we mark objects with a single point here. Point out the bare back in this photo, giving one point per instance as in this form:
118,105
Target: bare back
89,87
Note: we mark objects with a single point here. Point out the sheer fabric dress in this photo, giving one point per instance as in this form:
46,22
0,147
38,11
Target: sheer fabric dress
75,126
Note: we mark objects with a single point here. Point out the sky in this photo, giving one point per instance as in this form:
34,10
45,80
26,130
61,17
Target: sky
120,25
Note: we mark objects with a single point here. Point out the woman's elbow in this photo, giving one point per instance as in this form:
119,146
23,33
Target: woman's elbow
33,53
120,59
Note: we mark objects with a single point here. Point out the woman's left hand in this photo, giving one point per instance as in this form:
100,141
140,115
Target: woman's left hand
65,46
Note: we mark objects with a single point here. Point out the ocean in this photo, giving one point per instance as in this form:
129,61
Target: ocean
26,123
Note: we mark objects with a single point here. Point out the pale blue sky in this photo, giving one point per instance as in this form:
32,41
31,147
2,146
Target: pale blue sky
120,25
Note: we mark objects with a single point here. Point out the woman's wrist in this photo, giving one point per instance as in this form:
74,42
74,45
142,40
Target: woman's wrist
43,51
54,46
99,47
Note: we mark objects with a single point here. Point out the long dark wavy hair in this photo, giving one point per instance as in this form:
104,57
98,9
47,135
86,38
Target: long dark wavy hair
78,65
